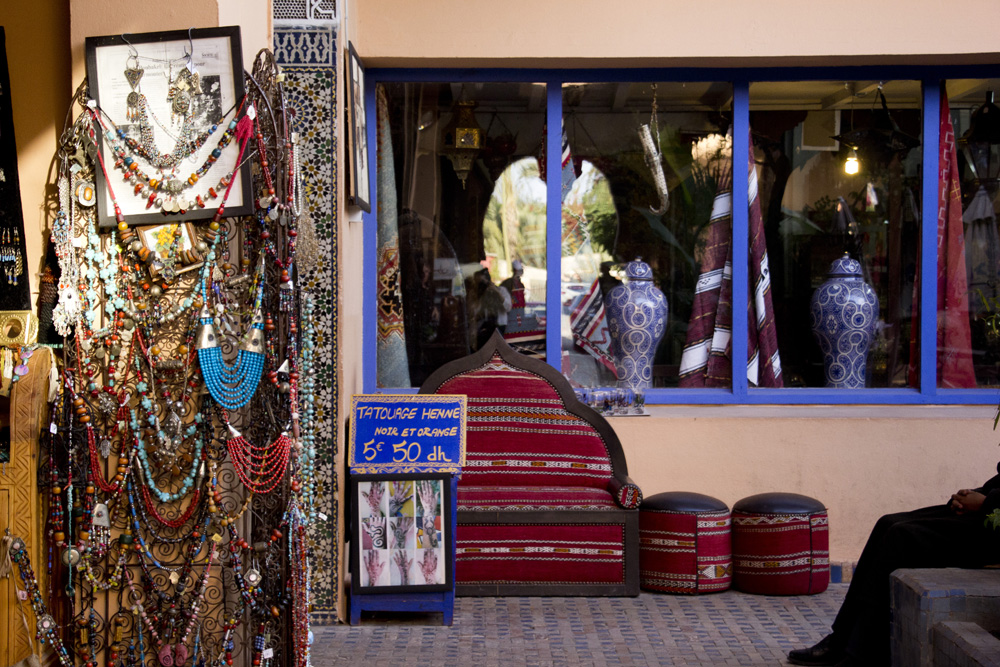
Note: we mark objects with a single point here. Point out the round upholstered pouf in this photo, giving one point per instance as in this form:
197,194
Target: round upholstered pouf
684,543
781,545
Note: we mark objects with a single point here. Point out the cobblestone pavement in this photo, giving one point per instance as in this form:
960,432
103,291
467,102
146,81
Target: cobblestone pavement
653,629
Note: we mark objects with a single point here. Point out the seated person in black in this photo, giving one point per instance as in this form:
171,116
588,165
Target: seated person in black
949,535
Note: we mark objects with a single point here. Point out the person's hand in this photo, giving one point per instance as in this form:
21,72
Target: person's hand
374,566
374,498
375,527
403,563
400,494
428,567
966,500
400,531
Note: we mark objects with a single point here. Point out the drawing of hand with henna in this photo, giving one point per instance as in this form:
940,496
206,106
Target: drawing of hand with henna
400,531
374,567
374,498
403,563
428,497
400,494
375,527
428,567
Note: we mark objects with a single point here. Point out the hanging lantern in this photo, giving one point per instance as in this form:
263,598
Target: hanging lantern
462,139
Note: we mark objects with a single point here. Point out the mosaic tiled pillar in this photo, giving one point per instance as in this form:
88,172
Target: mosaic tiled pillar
306,53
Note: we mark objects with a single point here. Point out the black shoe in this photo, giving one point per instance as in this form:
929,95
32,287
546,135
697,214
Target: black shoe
826,652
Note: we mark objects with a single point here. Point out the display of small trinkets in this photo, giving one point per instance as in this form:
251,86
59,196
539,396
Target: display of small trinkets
180,461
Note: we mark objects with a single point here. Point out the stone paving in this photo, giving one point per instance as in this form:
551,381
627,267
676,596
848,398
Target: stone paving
728,628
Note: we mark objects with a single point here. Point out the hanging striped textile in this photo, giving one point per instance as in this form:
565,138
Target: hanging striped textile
706,359
393,368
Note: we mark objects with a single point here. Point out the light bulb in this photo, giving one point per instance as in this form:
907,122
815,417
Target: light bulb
852,166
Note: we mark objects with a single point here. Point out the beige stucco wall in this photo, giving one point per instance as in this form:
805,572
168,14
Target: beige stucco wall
653,32
860,461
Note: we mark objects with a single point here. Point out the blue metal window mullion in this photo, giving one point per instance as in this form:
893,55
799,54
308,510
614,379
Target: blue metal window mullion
741,157
369,284
928,239
553,223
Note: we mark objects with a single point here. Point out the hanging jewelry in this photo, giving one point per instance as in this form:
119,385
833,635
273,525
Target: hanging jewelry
133,74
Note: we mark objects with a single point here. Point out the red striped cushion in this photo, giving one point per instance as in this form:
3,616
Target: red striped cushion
781,554
534,498
519,433
684,552
552,554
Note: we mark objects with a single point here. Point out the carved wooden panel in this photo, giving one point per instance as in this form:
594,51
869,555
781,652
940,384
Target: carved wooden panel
20,508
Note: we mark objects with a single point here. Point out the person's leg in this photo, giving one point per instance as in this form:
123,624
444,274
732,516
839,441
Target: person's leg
933,539
865,584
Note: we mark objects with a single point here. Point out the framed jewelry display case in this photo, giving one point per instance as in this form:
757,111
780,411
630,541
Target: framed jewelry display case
358,191
168,103
399,535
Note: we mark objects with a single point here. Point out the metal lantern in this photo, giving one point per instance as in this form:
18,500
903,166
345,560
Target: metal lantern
462,139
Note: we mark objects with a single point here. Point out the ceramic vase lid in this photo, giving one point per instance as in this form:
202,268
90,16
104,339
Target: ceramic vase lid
638,270
845,266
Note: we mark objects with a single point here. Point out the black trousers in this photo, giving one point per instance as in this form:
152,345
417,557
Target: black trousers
927,537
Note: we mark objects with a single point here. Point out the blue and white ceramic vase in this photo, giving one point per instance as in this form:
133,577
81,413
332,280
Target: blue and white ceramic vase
637,317
844,314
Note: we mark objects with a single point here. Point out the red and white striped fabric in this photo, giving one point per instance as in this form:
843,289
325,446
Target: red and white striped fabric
684,552
781,554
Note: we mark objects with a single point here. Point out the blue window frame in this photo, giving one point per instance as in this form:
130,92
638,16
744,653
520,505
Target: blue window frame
931,79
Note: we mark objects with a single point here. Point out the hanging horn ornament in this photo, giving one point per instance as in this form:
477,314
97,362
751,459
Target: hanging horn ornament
232,387
654,160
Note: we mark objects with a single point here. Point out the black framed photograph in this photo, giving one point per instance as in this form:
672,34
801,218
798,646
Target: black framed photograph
358,190
167,103
400,533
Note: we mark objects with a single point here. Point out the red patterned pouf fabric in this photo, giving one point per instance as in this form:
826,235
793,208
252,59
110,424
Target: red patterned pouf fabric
781,545
684,544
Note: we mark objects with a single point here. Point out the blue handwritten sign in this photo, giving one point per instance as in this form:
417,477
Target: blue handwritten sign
423,433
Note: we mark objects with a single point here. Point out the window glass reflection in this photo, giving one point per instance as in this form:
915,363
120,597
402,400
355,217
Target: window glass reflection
461,223
969,346
839,167
618,206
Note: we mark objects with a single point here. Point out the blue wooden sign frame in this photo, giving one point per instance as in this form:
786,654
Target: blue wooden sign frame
393,433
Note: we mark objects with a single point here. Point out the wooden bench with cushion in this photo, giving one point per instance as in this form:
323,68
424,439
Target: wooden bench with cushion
545,504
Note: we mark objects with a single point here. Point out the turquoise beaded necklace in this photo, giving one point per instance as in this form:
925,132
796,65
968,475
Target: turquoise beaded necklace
232,386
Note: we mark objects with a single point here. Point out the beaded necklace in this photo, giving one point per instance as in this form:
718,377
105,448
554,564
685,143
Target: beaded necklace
48,630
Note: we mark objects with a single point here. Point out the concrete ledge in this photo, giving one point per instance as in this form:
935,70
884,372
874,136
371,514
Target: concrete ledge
964,644
923,598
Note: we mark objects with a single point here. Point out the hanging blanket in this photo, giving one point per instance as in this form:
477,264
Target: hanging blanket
589,325
706,359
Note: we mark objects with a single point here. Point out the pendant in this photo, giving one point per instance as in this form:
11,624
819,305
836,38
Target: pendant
70,556
252,578
105,450
166,656
180,655
100,514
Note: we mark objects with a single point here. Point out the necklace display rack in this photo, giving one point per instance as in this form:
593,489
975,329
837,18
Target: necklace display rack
180,458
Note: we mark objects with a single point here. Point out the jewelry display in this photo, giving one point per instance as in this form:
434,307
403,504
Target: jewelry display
180,488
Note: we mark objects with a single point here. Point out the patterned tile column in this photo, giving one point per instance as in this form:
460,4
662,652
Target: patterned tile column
305,46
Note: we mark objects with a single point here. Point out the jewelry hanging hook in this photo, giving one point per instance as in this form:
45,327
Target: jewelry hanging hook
190,53
132,51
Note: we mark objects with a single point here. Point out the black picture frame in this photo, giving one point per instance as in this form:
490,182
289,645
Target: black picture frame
217,57
364,543
358,191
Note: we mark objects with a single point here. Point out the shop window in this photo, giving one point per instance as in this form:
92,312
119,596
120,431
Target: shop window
471,234
618,206
839,172
969,350
460,204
